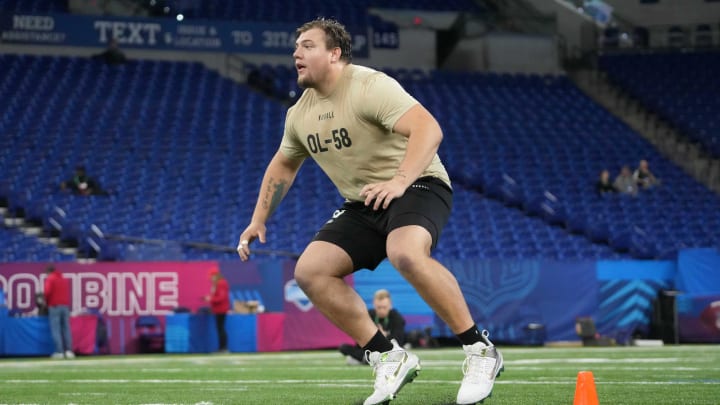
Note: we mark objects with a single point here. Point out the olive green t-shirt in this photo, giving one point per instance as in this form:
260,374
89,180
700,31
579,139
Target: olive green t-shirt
349,133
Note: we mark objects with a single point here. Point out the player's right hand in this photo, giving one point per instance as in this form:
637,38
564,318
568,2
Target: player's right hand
252,232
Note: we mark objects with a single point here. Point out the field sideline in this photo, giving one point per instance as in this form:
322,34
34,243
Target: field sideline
685,374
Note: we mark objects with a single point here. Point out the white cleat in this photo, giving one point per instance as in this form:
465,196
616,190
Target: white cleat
392,369
69,354
483,362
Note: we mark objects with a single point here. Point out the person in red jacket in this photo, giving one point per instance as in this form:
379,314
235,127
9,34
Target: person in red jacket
219,299
57,298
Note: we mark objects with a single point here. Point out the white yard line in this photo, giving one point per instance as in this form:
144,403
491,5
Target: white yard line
598,360
197,403
304,358
342,382
237,358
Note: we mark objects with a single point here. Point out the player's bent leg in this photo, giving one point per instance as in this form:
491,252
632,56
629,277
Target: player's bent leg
319,273
408,250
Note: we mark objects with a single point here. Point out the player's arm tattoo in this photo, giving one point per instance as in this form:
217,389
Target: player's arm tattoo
274,194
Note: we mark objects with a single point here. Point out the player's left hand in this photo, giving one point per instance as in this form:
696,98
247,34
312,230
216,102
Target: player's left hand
383,193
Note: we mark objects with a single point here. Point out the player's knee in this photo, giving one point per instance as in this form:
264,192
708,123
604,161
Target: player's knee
309,276
304,277
403,260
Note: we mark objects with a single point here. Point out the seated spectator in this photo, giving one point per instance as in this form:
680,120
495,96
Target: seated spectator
389,322
644,177
82,184
112,55
624,182
603,185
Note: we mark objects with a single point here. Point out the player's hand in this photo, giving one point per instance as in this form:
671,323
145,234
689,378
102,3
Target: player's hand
252,232
383,193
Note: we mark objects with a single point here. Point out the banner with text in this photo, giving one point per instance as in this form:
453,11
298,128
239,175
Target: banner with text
120,292
160,34
113,289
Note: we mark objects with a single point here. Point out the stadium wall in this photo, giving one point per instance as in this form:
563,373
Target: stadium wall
504,296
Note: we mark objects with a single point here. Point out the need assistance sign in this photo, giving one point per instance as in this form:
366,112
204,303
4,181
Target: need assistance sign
161,34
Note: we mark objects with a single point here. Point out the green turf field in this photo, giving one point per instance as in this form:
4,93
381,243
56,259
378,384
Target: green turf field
688,374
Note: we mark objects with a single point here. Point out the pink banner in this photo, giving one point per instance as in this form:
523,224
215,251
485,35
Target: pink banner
270,332
83,333
113,289
120,292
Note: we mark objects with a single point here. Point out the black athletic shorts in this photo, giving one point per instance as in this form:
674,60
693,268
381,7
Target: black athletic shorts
362,232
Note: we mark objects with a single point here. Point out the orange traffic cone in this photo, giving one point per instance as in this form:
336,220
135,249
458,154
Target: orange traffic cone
585,393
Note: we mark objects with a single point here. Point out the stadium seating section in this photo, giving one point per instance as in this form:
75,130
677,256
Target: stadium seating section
182,151
539,144
681,87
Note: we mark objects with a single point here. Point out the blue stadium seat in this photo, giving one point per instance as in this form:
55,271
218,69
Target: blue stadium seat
179,148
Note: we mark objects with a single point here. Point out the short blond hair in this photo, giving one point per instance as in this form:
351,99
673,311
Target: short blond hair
381,294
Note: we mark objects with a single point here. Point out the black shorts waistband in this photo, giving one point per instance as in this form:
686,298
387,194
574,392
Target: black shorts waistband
424,179
434,180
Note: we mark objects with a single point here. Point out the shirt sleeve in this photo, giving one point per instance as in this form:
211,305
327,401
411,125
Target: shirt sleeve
384,100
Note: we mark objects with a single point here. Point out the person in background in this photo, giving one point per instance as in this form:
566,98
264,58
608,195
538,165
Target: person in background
624,182
389,321
603,185
57,298
219,299
82,184
644,177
